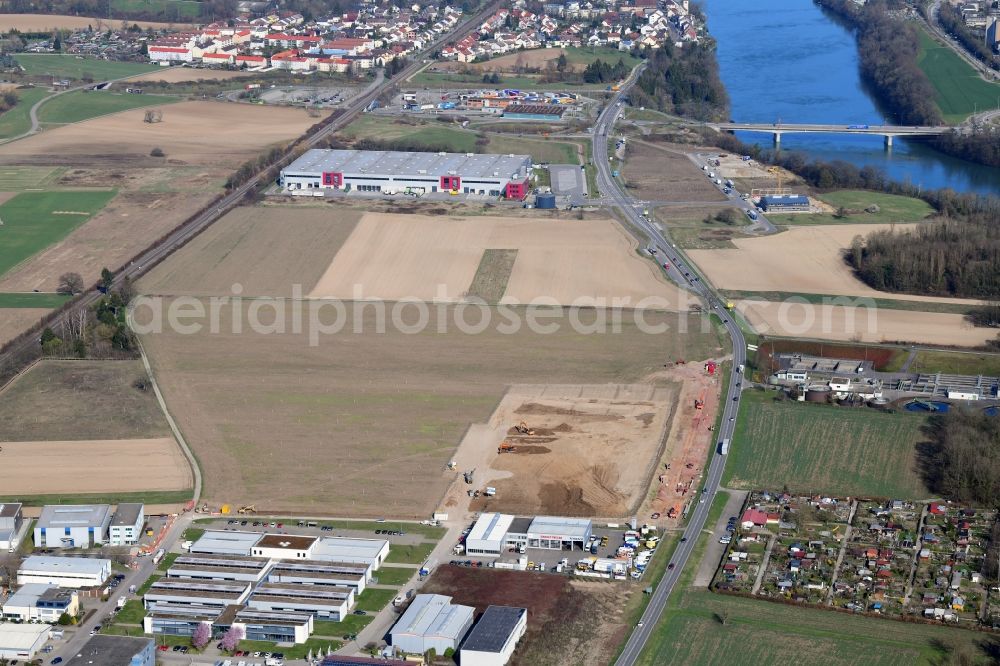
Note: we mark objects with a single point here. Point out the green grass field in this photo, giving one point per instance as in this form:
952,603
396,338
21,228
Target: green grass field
34,220
71,67
761,632
409,554
152,497
955,363
163,10
427,132
892,208
586,55
394,575
960,90
32,300
351,624
17,121
17,178
824,449
374,599
83,105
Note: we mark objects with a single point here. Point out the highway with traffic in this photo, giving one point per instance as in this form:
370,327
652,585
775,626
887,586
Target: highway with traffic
678,270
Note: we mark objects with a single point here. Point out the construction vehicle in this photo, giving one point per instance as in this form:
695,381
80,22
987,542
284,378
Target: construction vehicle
490,491
452,465
468,475
680,361
225,510
523,429
506,447
699,404
250,508
202,509
672,513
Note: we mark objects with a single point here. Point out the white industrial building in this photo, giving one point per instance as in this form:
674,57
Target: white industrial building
495,531
11,521
322,573
371,552
71,572
274,626
40,602
431,621
488,535
73,526
22,641
178,619
195,592
328,602
393,172
494,637
352,550
126,525
215,542
219,567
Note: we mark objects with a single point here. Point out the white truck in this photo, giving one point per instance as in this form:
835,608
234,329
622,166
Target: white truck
724,447
121,601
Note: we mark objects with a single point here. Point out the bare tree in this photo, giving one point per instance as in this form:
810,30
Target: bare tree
70,283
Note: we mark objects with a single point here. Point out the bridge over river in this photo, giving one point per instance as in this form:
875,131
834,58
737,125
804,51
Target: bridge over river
887,131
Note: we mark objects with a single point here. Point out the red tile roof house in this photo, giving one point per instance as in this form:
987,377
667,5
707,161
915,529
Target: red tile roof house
757,518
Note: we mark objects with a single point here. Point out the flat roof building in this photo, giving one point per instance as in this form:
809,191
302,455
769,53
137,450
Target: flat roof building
783,202
488,535
394,172
282,546
108,650
331,602
216,542
40,602
322,573
352,550
178,619
274,626
73,526
126,525
549,112
431,621
72,572
22,641
558,533
219,567
494,637
197,592
11,521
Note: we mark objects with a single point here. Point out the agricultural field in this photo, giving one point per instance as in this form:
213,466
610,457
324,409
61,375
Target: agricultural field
960,90
33,221
170,10
15,179
824,449
893,208
653,172
423,257
83,428
14,321
390,406
561,611
450,137
47,22
31,300
702,628
185,74
64,66
84,105
66,400
577,58
17,121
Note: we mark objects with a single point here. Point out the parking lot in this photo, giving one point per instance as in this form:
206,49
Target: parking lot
320,97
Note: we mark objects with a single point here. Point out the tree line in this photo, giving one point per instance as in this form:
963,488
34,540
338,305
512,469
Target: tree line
888,49
682,81
961,460
602,72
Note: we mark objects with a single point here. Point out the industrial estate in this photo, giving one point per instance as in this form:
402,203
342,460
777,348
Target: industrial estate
357,334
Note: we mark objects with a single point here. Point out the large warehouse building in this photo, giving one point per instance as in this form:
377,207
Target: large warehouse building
494,637
494,532
392,172
431,621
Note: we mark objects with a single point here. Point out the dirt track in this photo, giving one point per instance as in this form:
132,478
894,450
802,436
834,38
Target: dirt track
396,257
93,466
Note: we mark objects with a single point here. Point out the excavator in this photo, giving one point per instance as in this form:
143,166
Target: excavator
523,429
506,447
250,508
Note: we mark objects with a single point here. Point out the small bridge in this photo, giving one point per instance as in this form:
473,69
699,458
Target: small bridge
777,129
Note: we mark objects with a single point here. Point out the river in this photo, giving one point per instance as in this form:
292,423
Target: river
789,61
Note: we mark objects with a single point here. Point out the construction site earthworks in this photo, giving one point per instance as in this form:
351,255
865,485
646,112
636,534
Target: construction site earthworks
593,450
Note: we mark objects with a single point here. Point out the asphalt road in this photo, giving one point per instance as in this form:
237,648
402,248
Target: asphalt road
678,270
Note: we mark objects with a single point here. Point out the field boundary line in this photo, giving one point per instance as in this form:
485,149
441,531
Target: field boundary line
10,382
178,437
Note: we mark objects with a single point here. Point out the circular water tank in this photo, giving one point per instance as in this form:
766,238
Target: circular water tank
818,393
545,201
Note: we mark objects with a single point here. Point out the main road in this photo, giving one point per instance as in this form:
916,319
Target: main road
678,270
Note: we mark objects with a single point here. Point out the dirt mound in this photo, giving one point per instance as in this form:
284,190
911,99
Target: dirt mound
532,450
570,500
537,409
646,418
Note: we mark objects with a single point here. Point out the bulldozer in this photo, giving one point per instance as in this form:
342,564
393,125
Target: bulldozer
523,429
250,508
468,475
506,447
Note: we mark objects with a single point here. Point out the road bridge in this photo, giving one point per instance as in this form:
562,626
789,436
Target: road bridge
777,129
